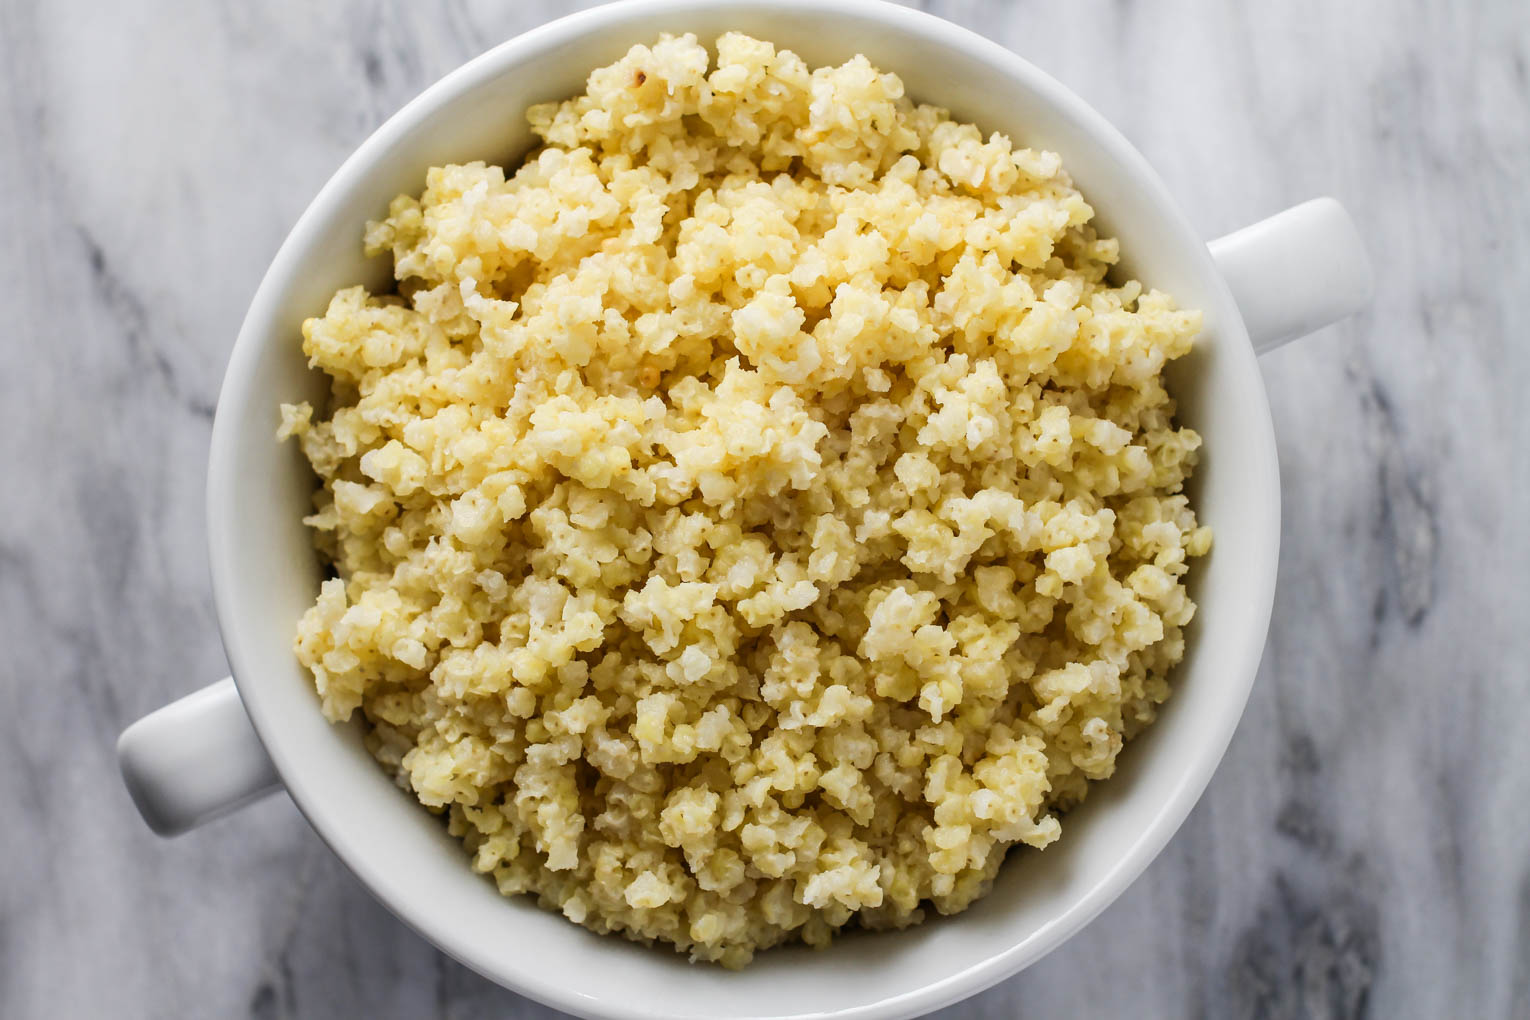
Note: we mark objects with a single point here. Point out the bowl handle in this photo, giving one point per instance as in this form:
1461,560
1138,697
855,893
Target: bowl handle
194,760
1296,272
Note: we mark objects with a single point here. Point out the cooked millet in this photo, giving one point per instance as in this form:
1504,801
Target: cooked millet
757,513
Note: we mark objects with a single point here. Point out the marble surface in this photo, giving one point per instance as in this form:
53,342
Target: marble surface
1365,847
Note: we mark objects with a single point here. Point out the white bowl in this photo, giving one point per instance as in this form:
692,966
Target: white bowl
199,757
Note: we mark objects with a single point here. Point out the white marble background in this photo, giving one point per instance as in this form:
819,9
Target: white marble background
1365,848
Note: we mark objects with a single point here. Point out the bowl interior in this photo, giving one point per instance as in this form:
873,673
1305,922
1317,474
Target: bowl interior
265,574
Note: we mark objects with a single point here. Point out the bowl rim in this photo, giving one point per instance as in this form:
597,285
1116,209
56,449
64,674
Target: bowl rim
230,420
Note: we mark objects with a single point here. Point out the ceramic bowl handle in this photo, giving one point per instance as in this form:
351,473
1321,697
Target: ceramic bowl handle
1296,272
194,760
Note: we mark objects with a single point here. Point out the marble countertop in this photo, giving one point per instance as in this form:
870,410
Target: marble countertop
1365,847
